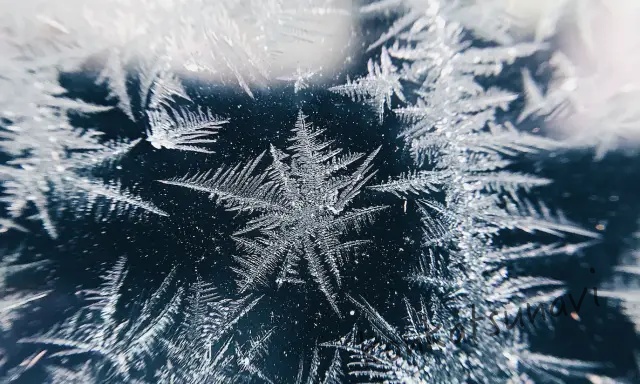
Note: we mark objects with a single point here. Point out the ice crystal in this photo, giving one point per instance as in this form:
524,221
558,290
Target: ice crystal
377,88
200,351
452,131
302,205
182,129
54,162
12,299
333,374
241,37
117,348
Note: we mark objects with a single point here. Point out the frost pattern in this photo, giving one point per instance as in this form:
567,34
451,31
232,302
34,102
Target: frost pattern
40,41
462,152
461,183
201,351
435,56
55,162
302,210
423,352
50,159
241,37
116,348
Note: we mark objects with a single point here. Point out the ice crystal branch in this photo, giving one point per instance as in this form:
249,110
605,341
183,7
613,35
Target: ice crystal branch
182,129
8,224
626,287
300,79
12,299
250,353
333,374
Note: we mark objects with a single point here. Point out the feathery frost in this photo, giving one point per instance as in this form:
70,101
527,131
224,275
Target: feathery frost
377,88
52,168
461,152
425,68
117,348
12,299
182,129
333,374
301,205
200,351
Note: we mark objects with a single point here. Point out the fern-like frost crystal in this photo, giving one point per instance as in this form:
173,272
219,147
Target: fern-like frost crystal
201,351
182,129
117,348
463,154
301,204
